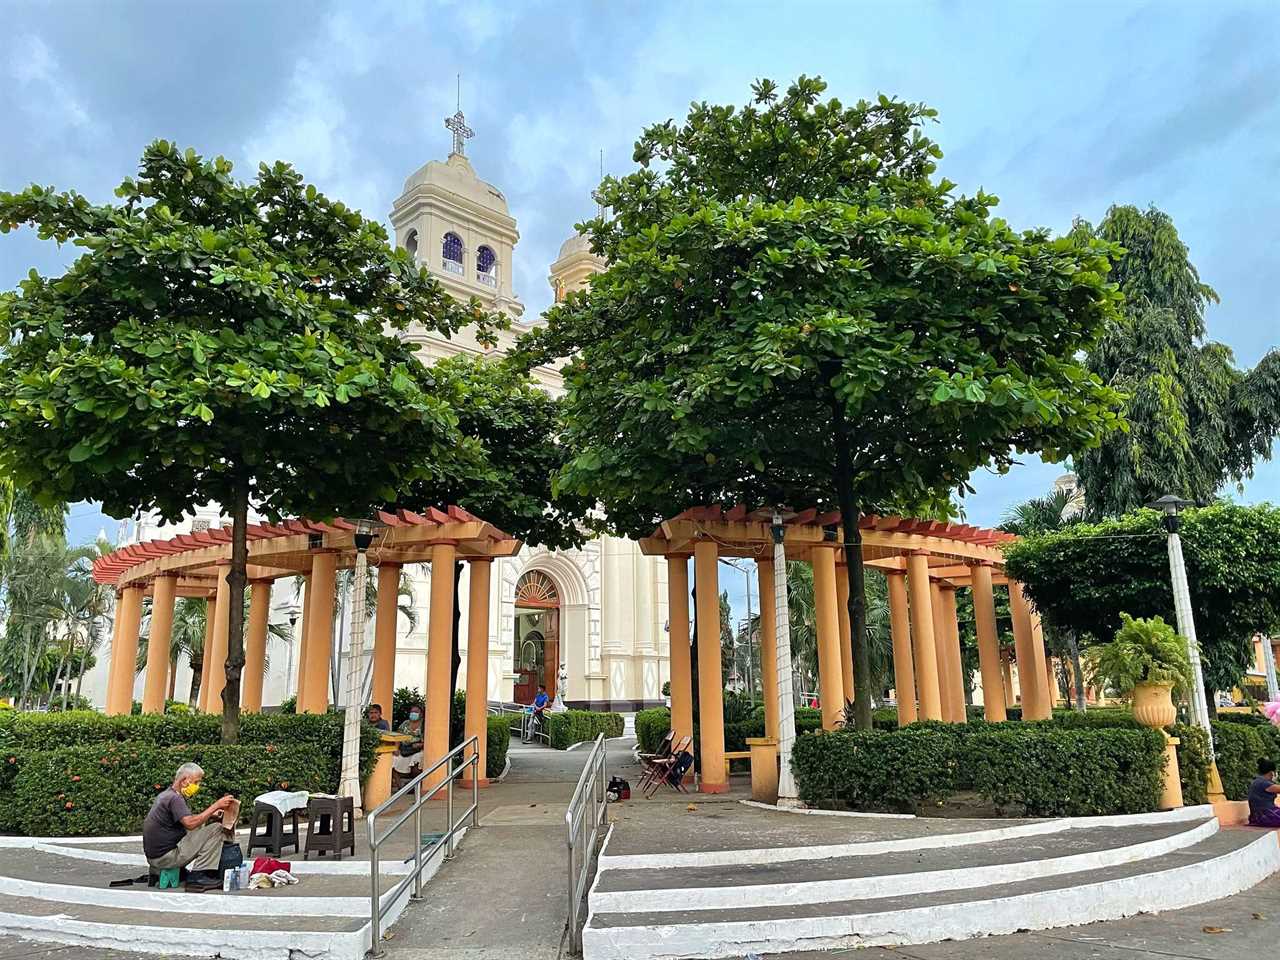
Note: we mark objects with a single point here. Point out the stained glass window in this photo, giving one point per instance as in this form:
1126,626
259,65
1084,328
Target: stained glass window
451,252
487,266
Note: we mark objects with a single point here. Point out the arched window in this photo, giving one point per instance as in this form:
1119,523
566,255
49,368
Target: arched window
411,244
535,589
487,266
451,252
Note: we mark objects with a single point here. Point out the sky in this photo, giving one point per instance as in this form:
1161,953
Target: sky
1059,109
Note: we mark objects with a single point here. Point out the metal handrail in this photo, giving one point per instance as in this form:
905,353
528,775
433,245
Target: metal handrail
584,818
421,855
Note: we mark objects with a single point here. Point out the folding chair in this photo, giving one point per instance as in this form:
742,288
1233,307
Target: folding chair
658,767
650,762
674,777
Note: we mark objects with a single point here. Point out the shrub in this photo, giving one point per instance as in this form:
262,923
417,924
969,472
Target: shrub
1193,762
496,746
108,788
651,727
402,700
1143,651
1239,747
289,705
1049,773
575,726
874,770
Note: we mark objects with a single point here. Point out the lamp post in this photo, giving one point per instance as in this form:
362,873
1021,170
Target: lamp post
349,785
1171,507
787,795
291,611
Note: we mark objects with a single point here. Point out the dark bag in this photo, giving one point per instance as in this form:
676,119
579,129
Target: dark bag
619,789
232,856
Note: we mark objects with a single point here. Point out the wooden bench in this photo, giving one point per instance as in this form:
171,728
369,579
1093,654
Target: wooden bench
734,755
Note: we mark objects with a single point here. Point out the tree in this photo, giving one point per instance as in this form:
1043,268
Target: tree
1084,577
1197,422
796,311
221,341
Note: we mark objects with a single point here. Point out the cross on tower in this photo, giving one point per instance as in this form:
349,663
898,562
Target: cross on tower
457,125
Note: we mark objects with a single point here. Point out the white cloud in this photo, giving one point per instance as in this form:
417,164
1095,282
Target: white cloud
38,74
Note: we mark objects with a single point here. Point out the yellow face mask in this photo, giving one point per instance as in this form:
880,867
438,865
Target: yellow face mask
190,790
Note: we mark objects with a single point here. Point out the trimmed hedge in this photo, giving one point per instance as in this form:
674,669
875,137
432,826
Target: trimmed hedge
1193,762
108,788
27,738
651,727
1239,745
497,744
1035,769
574,726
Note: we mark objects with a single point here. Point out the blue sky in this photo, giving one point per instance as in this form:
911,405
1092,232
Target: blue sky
1059,109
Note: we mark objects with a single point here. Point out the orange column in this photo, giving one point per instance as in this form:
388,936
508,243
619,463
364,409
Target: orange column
477,722
300,638
710,685
385,628
206,656
950,648
768,647
940,637
904,674
158,643
830,675
1029,677
1006,669
124,652
681,666
439,656
1039,657
218,673
255,646
313,695
842,618
984,617
922,642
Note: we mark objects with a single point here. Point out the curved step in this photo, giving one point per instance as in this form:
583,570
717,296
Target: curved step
1226,863
891,874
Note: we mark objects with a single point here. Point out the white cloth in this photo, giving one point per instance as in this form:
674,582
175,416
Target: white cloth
284,800
405,764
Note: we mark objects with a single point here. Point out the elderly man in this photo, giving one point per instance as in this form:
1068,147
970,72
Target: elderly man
173,836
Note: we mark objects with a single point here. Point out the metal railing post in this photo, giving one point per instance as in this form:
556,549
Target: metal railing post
417,840
449,812
375,918
475,786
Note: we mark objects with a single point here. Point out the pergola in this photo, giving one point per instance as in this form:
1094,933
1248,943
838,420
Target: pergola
195,565
925,562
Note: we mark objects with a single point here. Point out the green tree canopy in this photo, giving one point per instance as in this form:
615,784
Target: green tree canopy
1197,422
796,311
1084,577
222,341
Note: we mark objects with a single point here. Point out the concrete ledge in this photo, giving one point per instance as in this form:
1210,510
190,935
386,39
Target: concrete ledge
1150,892
1231,813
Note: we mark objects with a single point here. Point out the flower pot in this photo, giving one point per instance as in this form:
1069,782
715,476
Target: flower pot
1153,704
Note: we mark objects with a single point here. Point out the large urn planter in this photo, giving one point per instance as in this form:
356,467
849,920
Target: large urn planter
1153,707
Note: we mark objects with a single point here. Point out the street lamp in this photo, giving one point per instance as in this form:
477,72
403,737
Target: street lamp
1171,507
362,534
788,796
291,611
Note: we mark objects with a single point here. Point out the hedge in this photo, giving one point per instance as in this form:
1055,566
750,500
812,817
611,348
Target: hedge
108,788
1193,762
651,727
25,738
496,745
1239,745
1037,770
574,726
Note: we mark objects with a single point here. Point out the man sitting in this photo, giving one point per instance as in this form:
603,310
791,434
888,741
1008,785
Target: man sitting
377,719
173,836
1263,811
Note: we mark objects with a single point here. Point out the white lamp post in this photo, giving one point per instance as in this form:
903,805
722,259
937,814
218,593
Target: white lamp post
349,785
1171,506
787,794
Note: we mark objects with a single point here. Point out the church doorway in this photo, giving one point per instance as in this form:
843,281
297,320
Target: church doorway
537,636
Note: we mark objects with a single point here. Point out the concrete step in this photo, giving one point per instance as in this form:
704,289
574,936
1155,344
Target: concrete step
892,873
1221,864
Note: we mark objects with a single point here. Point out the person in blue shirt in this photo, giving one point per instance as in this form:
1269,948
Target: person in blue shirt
377,719
1263,811
540,704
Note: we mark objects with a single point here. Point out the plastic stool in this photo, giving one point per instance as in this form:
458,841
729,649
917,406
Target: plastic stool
169,878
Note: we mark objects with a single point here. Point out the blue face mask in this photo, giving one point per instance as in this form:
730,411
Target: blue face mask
414,715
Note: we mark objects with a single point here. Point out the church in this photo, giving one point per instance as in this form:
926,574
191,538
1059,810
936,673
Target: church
588,624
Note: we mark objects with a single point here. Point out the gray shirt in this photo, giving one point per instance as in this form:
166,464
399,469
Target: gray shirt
1262,802
162,830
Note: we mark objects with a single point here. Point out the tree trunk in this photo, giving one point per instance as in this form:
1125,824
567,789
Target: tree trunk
173,678
197,673
455,660
1210,700
236,578
1077,671
93,636
850,515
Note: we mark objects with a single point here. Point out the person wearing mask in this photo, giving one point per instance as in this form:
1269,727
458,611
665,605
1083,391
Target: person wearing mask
407,761
1263,811
174,837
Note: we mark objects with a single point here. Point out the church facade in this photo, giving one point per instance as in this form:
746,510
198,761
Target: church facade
590,624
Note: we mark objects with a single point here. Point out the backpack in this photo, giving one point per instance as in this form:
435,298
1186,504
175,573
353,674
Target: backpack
232,856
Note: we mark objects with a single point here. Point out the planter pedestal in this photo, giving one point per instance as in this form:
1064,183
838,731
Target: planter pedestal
1153,708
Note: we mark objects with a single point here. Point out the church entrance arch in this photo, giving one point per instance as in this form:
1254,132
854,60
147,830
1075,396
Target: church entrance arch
537,639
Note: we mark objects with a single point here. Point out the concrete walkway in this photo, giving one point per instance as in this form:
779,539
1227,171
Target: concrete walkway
506,894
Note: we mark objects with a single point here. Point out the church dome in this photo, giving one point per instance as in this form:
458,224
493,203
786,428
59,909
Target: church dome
575,244
457,176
